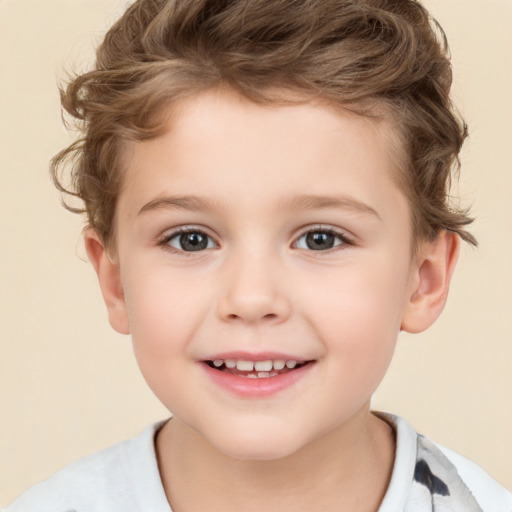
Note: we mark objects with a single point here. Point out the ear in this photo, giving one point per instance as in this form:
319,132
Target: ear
430,282
109,278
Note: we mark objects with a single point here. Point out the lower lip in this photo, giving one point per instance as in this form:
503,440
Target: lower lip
260,387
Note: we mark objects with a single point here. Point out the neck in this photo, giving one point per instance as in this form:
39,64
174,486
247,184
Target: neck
346,469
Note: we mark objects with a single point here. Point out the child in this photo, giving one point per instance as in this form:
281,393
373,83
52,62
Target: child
265,184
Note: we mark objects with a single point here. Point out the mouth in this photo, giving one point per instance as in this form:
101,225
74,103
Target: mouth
256,369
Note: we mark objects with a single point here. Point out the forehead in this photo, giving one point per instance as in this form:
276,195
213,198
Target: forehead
228,149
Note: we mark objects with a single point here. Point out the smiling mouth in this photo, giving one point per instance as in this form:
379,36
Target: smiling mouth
256,369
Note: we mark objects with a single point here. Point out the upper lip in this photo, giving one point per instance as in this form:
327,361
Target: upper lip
256,356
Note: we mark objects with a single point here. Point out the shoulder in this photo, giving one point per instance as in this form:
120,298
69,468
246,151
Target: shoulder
117,478
428,473
490,494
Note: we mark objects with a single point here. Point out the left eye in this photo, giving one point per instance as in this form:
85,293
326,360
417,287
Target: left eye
190,241
320,240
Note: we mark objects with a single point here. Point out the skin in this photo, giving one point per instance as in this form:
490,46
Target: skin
258,286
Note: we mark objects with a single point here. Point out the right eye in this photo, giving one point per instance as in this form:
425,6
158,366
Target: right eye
192,240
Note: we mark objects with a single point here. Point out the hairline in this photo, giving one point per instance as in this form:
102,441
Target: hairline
374,110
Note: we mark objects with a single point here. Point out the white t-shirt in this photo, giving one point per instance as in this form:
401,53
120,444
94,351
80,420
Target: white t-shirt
124,478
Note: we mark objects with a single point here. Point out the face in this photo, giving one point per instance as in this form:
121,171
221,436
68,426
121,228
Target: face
265,262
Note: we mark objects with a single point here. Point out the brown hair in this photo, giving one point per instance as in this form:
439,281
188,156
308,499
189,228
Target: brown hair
350,53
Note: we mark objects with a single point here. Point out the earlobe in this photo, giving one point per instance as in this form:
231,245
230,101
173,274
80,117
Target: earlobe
109,278
430,282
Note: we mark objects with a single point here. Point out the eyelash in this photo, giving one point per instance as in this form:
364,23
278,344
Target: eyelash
342,237
164,242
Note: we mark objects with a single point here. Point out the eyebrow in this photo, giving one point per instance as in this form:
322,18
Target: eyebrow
193,203
313,202
296,203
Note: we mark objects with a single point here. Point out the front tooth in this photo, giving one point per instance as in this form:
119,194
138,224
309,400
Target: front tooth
230,363
217,363
279,364
263,366
245,366
291,364
263,374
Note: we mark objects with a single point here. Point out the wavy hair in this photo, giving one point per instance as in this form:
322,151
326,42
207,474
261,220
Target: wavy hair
362,55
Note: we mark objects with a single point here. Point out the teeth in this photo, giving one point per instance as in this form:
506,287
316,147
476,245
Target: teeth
263,366
245,366
263,369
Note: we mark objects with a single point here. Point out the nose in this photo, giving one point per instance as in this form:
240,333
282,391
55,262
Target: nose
253,291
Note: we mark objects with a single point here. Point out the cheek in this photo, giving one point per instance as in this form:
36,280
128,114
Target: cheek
357,316
164,314
360,296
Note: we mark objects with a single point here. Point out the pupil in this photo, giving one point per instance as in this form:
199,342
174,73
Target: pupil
318,241
193,241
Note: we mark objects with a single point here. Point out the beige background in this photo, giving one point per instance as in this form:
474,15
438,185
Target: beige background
69,385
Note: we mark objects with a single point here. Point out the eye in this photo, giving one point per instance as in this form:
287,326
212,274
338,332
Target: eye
189,240
321,240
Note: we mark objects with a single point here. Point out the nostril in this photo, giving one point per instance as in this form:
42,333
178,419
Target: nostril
267,317
250,304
